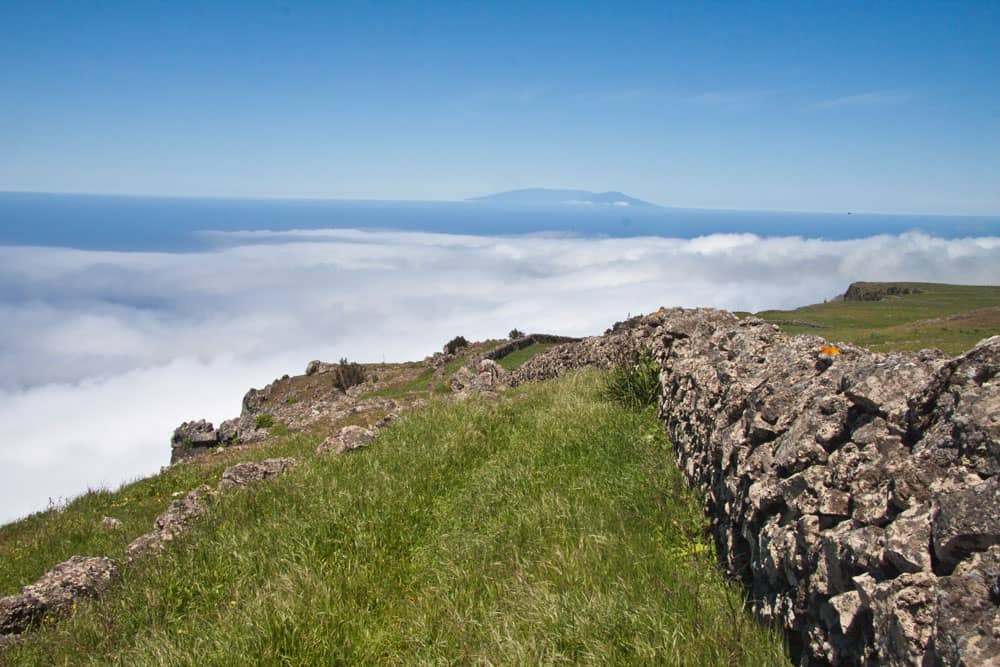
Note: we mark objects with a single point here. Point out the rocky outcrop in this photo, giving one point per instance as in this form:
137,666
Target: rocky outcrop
877,291
55,593
175,520
252,472
349,438
489,378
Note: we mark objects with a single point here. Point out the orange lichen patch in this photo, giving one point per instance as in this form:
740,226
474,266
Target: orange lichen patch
662,310
707,308
829,350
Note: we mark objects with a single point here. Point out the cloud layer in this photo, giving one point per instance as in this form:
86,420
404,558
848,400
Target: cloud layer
103,353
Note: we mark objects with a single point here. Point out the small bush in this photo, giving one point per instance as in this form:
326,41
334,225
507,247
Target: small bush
634,381
515,334
630,323
264,421
456,344
348,374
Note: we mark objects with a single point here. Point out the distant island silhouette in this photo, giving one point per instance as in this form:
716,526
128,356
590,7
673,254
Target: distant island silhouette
563,196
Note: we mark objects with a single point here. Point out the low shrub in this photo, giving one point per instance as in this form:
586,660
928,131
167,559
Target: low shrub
515,334
348,374
264,421
455,344
634,381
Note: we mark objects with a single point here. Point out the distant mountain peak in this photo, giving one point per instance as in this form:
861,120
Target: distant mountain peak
563,196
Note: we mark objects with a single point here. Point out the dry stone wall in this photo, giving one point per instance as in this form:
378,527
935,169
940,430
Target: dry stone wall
856,494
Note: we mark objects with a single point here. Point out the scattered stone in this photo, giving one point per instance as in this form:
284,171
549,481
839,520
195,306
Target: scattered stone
56,592
179,515
252,472
386,421
111,522
350,437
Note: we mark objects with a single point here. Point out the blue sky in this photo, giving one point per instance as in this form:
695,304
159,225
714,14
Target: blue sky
889,107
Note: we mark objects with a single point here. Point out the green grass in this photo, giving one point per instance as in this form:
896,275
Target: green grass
29,547
553,530
419,386
949,317
515,359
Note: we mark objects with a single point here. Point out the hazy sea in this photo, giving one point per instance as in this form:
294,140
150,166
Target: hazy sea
96,222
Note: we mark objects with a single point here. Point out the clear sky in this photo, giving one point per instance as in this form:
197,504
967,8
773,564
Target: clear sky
889,106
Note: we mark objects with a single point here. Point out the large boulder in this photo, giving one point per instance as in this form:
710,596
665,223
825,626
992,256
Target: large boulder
252,472
349,438
56,592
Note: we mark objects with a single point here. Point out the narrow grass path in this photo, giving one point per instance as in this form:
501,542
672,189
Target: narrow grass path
550,528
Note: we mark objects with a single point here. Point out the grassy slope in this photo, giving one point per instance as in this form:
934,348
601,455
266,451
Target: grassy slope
29,547
554,529
950,317
516,358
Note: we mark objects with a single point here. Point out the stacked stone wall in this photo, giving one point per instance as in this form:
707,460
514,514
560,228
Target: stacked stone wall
855,494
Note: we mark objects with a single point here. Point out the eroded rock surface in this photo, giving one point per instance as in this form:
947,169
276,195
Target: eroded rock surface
176,519
56,592
252,472
349,437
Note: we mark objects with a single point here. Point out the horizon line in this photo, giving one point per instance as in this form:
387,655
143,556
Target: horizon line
479,199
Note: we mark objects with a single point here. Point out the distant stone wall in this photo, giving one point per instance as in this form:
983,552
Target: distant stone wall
856,494
523,342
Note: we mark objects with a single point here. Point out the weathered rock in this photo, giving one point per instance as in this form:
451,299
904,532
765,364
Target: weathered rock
968,612
111,523
252,472
176,519
349,438
907,541
191,439
56,592
967,520
903,612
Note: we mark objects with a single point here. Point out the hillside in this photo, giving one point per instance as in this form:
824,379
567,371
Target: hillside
901,316
548,527
463,509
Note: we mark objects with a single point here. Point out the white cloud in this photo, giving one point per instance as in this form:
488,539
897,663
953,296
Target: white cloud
103,353
872,98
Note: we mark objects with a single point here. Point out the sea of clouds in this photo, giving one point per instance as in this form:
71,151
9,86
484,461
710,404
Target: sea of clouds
104,353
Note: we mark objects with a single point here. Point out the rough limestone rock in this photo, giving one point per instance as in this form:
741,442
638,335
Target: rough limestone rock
349,438
489,378
192,439
857,494
176,519
967,520
56,592
252,472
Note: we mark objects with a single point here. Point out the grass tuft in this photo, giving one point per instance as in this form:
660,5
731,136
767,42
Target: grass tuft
634,382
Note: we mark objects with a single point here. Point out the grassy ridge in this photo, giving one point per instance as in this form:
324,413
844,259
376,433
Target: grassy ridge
549,530
517,358
952,318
